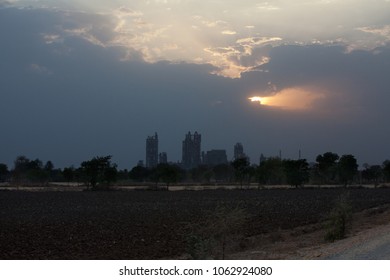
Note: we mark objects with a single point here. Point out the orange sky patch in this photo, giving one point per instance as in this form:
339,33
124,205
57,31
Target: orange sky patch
290,99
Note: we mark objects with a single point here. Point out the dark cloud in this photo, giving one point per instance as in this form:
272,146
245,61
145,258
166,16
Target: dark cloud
67,99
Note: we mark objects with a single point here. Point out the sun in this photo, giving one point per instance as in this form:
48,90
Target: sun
256,99
261,100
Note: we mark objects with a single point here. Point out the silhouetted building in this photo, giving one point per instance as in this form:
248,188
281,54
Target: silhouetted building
215,157
152,151
191,150
262,159
239,151
163,158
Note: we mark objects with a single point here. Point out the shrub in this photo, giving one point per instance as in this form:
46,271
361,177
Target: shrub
339,219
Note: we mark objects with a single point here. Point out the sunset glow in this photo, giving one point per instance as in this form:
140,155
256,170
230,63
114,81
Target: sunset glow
290,99
256,99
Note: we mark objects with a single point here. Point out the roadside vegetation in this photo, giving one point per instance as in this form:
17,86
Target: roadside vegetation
339,219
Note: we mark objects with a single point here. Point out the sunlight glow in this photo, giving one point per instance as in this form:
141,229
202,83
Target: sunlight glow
290,99
256,99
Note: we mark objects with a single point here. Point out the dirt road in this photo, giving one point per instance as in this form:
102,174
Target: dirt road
370,240
375,246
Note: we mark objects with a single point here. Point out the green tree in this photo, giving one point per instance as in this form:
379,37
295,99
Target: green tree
327,166
99,172
347,168
297,171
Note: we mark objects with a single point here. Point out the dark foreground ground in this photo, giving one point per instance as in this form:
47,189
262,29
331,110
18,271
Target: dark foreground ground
158,224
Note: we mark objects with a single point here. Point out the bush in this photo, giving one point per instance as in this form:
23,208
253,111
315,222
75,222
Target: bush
339,219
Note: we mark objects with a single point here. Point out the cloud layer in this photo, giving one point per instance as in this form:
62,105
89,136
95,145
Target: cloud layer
230,35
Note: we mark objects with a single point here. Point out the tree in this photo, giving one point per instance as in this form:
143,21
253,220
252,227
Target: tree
240,166
30,171
222,172
386,169
138,173
110,174
201,174
99,172
372,174
3,172
270,171
168,173
21,166
49,167
347,168
123,175
69,174
297,171
36,172
250,172
327,166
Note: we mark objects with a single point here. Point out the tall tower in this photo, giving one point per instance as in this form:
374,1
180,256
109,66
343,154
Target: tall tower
239,151
191,155
152,151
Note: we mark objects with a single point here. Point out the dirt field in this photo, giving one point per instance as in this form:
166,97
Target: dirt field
275,223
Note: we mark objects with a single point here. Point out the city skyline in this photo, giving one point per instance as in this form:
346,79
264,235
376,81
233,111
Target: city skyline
80,79
192,153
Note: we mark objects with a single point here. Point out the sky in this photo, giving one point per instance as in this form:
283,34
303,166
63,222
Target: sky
82,78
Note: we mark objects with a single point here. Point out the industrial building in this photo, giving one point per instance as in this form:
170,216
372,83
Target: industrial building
191,150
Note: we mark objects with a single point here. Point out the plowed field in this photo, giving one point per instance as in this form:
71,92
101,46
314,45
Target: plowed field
151,224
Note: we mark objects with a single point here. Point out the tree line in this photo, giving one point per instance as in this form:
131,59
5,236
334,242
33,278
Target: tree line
100,172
